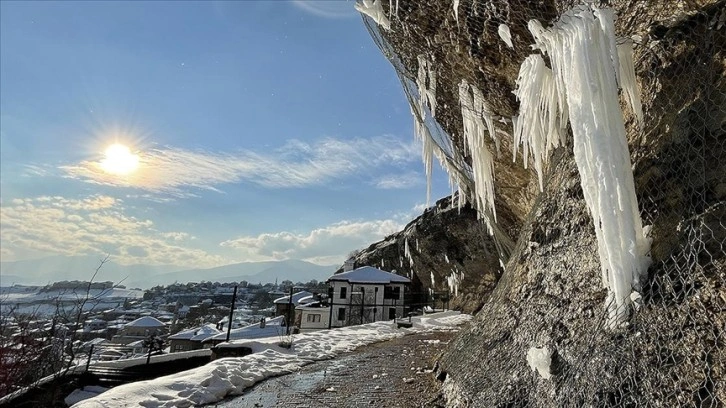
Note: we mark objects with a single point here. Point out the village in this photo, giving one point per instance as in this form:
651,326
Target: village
191,317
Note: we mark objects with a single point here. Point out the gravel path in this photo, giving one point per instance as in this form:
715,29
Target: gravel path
395,373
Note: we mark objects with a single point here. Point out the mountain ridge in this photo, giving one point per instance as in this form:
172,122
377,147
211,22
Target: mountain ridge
57,268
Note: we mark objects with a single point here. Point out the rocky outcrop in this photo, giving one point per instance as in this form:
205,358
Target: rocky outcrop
672,352
449,251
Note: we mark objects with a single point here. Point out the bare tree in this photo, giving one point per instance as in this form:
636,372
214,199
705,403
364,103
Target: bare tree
35,345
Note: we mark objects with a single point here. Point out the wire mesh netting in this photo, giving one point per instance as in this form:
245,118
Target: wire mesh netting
672,349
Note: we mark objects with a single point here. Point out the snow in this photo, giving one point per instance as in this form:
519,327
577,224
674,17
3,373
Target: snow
84,393
374,10
586,66
296,297
196,334
146,321
505,35
540,358
369,274
231,376
273,327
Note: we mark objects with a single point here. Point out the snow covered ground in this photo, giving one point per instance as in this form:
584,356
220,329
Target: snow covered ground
231,376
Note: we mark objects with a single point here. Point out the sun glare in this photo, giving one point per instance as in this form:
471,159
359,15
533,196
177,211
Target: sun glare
119,160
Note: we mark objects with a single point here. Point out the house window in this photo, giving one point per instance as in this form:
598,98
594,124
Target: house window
391,313
313,318
343,294
341,313
390,292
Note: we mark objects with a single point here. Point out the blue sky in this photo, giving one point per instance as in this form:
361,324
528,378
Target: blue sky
263,130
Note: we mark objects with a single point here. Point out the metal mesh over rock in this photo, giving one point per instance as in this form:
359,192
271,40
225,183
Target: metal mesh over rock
672,352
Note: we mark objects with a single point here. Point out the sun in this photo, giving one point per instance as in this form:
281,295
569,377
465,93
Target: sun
119,160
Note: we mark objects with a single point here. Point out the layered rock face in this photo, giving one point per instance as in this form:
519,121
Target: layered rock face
449,251
550,296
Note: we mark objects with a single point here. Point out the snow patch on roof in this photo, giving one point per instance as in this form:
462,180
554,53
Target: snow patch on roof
146,321
296,297
369,274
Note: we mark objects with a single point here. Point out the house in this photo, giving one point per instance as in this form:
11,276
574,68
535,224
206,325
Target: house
312,316
273,327
191,339
95,324
282,305
140,329
365,295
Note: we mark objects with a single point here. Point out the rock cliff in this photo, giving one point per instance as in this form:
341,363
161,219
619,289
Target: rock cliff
549,295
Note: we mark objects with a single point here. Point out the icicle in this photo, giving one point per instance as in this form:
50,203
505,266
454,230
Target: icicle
456,11
627,80
374,10
454,280
446,258
586,66
426,83
482,162
537,127
433,281
505,35
407,252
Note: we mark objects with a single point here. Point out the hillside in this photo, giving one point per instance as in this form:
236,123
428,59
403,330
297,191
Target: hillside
613,237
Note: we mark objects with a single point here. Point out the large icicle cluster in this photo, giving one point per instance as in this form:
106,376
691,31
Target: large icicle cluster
426,85
587,68
479,122
540,126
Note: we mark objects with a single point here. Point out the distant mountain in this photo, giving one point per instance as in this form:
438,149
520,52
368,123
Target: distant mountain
57,268
253,272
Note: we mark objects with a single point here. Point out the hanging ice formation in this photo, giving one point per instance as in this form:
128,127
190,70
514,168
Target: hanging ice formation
454,280
587,67
456,11
374,10
540,126
426,85
505,35
478,122
407,252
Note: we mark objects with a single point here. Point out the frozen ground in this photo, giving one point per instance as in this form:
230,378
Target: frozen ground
231,376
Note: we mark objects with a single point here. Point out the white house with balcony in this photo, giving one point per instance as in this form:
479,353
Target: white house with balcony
364,295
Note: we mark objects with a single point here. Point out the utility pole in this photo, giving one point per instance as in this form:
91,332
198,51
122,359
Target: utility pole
289,311
231,312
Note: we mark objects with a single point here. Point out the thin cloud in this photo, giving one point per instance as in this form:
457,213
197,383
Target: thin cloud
325,245
327,8
178,172
90,226
400,181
